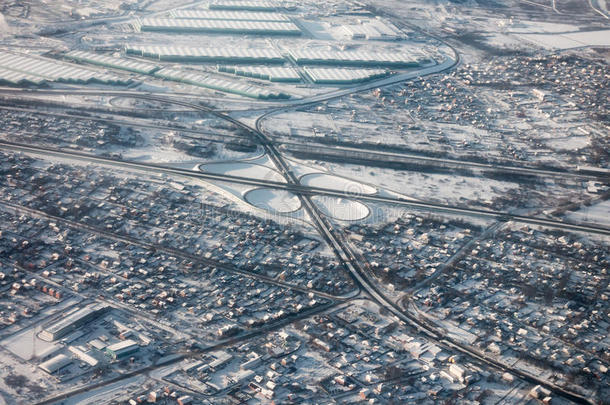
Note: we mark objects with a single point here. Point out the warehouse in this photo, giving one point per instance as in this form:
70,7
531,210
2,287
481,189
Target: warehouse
51,70
229,15
72,321
355,58
202,80
83,356
375,29
108,61
55,364
122,349
272,74
180,25
343,76
247,5
211,55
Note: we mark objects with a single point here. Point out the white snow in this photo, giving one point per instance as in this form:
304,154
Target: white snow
598,214
569,143
570,40
341,208
243,169
280,201
337,183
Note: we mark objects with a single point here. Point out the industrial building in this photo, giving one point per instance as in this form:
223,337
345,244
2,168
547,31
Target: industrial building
213,55
343,76
247,5
229,15
355,58
122,349
112,62
272,74
82,355
373,30
18,68
203,80
180,25
72,321
55,364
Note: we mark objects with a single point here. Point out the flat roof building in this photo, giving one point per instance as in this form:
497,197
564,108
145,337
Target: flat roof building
358,58
228,15
55,364
198,54
122,349
72,321
183,25
243,5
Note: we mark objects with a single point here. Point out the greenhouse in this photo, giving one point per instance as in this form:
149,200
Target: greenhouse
228,15
52,70
272,74
109,61
203,80
355,58
343,76
13,77
247,5
180,25
214,55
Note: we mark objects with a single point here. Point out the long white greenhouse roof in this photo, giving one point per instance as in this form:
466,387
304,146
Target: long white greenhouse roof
353,57
183,52
340,76
204,80
14,77
118,63
271,73
195,25
52,70
229,15
242,5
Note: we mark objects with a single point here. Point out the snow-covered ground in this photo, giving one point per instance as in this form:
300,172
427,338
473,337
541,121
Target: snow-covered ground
598,214
337,183
243,169
280,201
570,40
341,208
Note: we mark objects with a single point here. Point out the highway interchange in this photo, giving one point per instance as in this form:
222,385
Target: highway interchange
353,262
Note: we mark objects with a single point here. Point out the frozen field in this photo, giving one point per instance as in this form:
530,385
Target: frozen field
570,40
598,214
336,183
280,201
243,169
341,208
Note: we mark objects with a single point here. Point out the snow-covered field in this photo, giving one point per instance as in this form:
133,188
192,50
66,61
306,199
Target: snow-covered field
337,183
598,214
570,40
243,169
341,208
280,201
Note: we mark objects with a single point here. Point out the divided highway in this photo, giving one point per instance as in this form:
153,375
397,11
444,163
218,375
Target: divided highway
294,186
335,239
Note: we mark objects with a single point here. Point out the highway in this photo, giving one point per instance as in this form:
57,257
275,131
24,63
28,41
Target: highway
335,239
354,263
365,156
294,186
354,266
355,155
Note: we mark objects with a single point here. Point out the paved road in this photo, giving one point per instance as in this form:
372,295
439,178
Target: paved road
299,189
